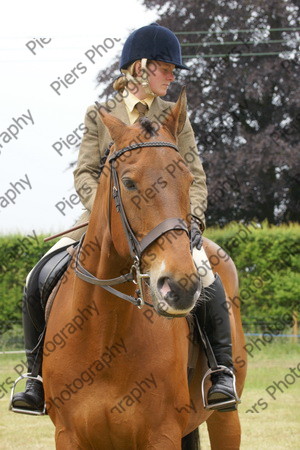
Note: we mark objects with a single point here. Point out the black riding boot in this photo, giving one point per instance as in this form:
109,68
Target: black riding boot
43,278
217,327
32,399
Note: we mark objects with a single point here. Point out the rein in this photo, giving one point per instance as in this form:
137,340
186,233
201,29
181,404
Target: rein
136,247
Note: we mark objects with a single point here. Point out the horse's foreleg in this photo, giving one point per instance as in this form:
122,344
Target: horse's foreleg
224,430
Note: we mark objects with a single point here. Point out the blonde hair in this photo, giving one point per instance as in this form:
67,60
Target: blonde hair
121,82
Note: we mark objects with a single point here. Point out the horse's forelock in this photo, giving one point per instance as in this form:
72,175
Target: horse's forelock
147,126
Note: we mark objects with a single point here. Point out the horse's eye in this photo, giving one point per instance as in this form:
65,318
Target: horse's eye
129,184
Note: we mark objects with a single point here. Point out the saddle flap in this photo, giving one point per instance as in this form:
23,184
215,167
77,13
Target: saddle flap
52,270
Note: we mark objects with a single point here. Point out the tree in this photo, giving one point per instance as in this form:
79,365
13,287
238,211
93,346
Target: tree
244,107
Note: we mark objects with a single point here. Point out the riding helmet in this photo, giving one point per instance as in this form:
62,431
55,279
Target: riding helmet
152,42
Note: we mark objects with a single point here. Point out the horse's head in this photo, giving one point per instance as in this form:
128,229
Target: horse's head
153,183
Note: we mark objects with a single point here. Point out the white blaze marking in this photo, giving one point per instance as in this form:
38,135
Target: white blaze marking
162,266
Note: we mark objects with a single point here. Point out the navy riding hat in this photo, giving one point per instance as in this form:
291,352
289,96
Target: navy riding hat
152,42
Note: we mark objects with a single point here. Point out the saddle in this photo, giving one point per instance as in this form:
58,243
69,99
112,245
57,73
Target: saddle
48,272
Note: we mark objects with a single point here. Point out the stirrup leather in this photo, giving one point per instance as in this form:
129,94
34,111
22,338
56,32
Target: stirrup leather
20,410
225,403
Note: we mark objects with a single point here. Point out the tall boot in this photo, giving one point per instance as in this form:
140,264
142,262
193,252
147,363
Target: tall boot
32,399
42,280
217,328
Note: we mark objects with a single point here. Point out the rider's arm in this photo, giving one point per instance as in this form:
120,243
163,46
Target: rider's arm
189,152
91,150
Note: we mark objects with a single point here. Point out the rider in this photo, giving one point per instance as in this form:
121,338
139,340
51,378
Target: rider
149,56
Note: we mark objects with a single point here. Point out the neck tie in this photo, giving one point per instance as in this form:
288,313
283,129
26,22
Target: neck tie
141,108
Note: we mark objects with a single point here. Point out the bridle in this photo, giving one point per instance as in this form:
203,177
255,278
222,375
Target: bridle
136,247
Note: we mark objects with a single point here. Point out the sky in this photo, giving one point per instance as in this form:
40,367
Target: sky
43,103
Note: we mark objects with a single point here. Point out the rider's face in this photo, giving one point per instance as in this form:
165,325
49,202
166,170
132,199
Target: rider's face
160,76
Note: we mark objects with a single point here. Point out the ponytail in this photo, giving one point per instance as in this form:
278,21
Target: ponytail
120,83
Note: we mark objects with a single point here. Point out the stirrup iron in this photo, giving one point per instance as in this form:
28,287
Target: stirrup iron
225,403
25,411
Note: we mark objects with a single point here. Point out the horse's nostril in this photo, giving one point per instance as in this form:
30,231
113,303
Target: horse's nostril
163,286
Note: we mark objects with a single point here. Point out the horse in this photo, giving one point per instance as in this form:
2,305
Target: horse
119,379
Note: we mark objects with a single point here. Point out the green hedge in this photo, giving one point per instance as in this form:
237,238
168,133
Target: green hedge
18,254
267,259
268,263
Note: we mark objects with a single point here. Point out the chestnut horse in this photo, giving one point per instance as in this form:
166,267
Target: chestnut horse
119,380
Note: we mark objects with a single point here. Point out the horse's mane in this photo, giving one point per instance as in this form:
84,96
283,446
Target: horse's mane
103,159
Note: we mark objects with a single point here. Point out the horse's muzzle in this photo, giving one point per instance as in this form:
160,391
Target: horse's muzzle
177,298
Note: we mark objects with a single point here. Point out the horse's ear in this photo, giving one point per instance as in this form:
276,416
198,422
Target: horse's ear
176,118
115,126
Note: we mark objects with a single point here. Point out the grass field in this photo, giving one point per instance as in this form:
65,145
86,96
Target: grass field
274,425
